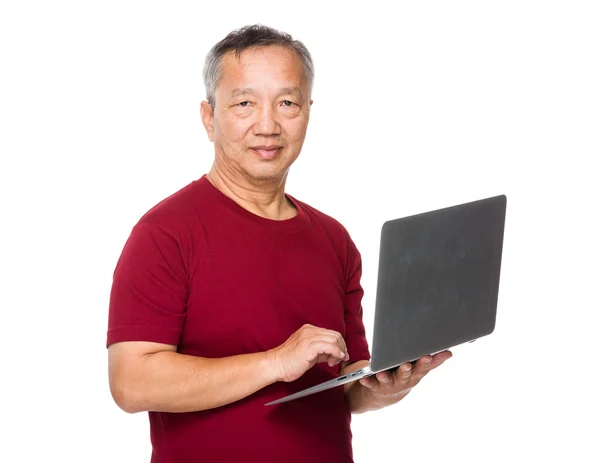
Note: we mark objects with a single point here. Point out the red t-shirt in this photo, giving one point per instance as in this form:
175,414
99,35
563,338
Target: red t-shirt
201,272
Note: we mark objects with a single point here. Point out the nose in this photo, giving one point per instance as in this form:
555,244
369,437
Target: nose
267,123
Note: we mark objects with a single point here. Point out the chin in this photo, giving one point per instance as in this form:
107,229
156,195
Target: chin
266,174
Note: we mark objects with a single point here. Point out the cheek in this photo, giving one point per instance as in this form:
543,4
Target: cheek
297,129
291,133
231,132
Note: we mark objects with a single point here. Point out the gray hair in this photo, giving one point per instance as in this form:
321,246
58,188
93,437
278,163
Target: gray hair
250,37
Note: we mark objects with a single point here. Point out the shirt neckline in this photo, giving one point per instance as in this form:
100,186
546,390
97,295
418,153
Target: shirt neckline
296,223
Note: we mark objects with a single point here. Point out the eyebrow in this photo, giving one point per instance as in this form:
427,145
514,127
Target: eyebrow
281,91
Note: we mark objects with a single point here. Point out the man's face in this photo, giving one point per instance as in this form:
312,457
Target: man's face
261,113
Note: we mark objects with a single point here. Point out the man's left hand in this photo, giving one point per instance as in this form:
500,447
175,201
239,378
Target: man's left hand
390,385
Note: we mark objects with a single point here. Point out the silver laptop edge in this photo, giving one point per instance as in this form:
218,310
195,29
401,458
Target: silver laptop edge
339,381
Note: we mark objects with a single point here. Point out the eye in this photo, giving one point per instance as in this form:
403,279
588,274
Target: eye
288,103
243,104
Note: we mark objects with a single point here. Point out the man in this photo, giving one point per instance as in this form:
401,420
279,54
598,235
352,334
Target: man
230,293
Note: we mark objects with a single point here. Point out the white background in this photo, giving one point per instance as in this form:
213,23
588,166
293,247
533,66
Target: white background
424,106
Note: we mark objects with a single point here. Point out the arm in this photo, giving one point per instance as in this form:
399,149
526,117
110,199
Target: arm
146,376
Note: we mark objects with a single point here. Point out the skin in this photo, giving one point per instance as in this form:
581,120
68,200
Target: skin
262,99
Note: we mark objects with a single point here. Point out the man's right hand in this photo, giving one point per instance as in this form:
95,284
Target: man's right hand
306,347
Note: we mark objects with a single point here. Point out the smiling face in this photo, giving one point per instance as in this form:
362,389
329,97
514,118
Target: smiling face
261,113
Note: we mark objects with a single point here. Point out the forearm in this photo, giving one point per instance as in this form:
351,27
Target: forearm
173,382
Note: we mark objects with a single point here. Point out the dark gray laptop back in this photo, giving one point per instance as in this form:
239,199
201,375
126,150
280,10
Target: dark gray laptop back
438,280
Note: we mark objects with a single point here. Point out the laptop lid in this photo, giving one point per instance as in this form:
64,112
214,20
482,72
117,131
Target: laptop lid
438,280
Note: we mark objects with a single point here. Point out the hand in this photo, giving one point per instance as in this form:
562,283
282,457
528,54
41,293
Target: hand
396,384
306,347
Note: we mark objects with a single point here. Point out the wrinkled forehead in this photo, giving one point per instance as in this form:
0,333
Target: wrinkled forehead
262,66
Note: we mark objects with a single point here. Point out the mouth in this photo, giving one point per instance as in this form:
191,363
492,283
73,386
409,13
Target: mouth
267,152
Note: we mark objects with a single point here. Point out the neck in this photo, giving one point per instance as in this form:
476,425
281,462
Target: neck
263,199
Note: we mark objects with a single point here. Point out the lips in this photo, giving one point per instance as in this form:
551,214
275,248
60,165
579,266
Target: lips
267,151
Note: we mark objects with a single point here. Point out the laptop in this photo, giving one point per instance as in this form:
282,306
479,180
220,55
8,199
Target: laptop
437,285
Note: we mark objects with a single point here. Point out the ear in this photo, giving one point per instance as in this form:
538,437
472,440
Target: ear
206,113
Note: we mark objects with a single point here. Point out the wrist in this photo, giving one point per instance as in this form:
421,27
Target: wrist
270,366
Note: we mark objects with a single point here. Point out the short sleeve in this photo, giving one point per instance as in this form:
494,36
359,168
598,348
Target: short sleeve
356,341
149,289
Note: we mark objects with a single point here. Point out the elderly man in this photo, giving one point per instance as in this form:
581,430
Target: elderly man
231,293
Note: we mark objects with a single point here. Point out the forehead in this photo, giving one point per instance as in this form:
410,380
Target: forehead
262,66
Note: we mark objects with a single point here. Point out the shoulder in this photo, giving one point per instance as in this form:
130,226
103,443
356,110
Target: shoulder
167,228
334,229
173,213
324,220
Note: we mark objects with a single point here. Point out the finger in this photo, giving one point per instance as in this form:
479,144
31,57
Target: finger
424,362
440,358
322,347
369,382
384,378
339,338
334,349
322,336
332,361
335,338
329,338
421,368
403,373
322,358
326,358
